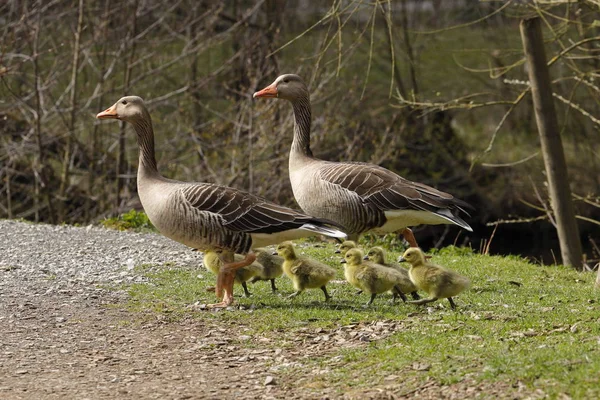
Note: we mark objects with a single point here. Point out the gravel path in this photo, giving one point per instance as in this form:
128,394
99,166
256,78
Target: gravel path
60,339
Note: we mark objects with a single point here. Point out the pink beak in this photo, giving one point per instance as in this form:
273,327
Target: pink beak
109,113
269,91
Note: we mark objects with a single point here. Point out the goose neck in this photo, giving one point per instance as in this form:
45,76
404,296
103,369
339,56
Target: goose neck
145,139
302,121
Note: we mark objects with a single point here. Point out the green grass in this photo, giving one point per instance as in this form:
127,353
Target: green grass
130,221
519,324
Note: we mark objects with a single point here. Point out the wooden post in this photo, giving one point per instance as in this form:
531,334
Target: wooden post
552,148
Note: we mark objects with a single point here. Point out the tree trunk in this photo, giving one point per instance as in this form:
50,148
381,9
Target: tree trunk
64,181
552,148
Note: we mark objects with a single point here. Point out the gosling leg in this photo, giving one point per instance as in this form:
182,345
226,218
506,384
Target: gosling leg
327,296
373,295
452,303
415,295
225,280
398,293
246,291
424,301
273,288
291,296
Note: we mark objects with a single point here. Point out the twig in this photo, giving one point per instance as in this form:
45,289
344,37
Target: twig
512,164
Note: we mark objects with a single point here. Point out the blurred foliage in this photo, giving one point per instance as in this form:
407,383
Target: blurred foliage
132,220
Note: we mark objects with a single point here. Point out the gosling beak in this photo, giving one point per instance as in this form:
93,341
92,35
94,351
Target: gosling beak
401,259
343,262
269,91
275,253
365,257
338,251
109,113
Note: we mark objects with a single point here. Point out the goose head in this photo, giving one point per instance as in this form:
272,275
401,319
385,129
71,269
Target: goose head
345,246
414,256
289,87
353,257
128,108
376,255
286,250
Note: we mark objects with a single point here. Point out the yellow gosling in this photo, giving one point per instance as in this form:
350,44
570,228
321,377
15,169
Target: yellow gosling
304,272
370,277
377,255
345,246
272,267
435,280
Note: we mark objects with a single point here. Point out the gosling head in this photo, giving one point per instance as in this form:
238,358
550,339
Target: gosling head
353,257
289,87
128,108
286,250
345,246
413,255
376,254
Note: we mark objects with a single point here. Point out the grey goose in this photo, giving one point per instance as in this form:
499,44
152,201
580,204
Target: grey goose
208,216
361,197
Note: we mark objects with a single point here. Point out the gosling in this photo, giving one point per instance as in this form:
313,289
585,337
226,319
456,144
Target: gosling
377,255
213,263
345,246
272,267
438,282
304,272
370,277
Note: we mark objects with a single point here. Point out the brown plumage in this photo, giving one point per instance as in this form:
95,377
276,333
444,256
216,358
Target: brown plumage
206,216
435,280
304,272
361,197
370,277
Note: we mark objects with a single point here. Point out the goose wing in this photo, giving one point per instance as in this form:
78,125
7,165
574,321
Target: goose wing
380,188
241,211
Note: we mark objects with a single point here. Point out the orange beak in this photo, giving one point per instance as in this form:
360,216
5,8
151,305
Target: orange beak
109,113
269,91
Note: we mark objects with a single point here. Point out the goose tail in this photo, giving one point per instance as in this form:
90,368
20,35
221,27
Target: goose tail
325,230
455,219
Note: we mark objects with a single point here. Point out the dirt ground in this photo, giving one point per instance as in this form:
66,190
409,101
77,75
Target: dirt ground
64,337
53,348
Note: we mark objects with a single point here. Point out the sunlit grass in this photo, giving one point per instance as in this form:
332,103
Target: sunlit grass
520,323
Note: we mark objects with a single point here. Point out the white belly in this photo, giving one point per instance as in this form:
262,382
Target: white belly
400,219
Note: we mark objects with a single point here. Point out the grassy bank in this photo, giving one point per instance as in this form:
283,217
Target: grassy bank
521,328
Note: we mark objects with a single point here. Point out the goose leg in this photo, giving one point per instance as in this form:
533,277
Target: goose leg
225,280
409,237
423,301
327,296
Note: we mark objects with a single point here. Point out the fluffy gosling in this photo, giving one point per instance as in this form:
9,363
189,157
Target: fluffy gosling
377,255
345,246
272,267
370,277
213,263
438,282
304,272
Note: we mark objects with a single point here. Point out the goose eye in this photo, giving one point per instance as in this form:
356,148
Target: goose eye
286,80
124,102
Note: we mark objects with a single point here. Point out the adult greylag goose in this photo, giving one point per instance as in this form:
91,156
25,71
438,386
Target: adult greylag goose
207,216
361,197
